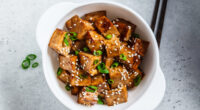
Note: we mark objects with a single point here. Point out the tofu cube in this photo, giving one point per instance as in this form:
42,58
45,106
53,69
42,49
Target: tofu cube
119,75
106,27
78,45
116,96
125,28
57,44
103,88
140,46
132,76
68,62
91,17
87,62
108,61
133,59
94,41
112,47
87,98
64,77
81,27
80,78
75,90
98,79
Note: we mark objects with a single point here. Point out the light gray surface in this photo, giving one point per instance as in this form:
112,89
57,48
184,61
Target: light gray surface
180,55
28,90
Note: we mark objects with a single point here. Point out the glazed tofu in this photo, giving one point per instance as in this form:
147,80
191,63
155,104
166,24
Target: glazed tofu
87,62
132,76
68,62
140,46
103,88
116,96
64,76
75,90
81,27
91,17
78,45
112,47
106,27
80,78
108,61
125,28
57,44
98,79
119,75
94,41
87,98
132,58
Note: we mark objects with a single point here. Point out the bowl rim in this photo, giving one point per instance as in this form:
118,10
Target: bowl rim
154,43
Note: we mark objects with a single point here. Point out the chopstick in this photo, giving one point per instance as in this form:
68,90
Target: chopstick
158,19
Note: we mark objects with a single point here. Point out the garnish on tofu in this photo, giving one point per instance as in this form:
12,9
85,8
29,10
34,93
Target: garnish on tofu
99,59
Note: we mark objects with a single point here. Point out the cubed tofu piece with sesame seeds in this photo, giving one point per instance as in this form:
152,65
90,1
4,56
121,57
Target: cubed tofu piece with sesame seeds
89,62
87,98
80,78
78,45
91,17
68,62
140,46
108,61
119,75
81,27
94,41
57,42
132,58
98,79
64,76
75,90
106,27
125,28
116,96
133,75
103,88
112,47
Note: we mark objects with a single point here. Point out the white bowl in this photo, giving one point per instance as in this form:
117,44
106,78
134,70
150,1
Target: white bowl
144,97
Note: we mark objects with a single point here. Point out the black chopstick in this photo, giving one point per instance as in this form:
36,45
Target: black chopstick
158,19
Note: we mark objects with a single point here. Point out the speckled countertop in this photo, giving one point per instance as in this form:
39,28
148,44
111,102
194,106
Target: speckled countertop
28,90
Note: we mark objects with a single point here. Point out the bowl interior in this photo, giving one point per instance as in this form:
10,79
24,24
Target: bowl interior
113,11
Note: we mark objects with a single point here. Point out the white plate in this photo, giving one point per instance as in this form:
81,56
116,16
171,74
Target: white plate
144,97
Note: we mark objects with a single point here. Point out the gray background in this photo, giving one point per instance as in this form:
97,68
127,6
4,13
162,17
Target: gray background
28,90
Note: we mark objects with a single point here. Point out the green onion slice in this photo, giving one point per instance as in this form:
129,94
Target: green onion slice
109,36
76,52
26,64
83,76
96,61
137,80
66,42
110,81
31,57
98,52
91,88
123,57
34,65
136,35
86,49
102,68
67,87
100,101
59,71
115,64
74,34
